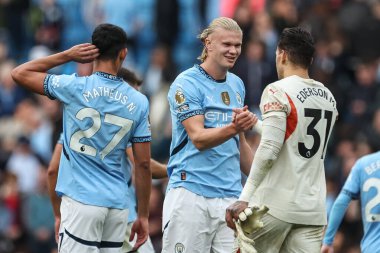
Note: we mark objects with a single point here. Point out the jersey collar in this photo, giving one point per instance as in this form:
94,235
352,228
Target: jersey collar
108,76
207,74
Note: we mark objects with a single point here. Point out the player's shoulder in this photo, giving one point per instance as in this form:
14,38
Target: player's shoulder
58,79
367,165
185,80
137,95
276,88
234,78
370,158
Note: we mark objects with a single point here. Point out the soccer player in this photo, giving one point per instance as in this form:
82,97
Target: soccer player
364,183
208,146
158,171
287,173
101,115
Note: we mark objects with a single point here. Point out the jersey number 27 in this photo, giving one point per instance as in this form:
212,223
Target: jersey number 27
75,144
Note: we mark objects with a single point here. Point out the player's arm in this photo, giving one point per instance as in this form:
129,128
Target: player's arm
258,127
273,134
336,217
31,75
246,155
205,138
159,170
52,182
143,181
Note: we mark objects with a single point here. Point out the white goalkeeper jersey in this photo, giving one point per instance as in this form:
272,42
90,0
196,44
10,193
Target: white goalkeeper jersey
295,188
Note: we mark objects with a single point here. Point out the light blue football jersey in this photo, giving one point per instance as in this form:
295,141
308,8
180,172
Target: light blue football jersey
101,114
364,183
215,172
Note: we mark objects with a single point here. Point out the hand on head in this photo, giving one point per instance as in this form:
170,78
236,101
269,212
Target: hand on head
83,53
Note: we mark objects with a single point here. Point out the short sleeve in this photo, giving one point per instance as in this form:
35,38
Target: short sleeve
185,100
59,86
274,100
142,131
60,140
352,185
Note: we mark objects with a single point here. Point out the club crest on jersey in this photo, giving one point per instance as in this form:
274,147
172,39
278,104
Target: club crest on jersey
225,97
179,97
238,98
179,248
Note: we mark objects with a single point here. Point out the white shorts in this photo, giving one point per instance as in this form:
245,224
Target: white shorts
195,224
147,247
278,236
88,229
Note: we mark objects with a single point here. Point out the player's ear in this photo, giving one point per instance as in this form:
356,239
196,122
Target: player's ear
208,44
283,56
123,53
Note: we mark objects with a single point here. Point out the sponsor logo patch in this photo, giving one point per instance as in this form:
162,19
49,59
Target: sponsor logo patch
182,108
273,106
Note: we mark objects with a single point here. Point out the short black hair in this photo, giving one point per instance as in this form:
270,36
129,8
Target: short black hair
129,76
299,45
109,39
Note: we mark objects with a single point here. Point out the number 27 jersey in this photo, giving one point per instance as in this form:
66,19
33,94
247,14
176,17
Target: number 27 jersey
101,115
295,188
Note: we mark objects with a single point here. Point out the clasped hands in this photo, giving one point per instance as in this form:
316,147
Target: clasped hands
243,120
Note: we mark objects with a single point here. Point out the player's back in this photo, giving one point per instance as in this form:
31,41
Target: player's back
364,183
295,188
101,115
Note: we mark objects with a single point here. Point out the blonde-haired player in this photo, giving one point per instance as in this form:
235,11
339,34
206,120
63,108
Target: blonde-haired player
208,147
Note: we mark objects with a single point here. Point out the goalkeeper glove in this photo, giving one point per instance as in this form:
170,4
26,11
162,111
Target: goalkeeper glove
249,222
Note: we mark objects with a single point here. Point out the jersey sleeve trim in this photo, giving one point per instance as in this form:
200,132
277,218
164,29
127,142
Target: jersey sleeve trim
141,139
190,114
351,194
46,84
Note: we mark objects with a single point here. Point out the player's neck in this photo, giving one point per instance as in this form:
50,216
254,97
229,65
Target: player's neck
214,71
105,66
296,71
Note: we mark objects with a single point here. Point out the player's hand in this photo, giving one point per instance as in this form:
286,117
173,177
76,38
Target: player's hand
233,211
243,119
57,223
327,249
83,53
141,228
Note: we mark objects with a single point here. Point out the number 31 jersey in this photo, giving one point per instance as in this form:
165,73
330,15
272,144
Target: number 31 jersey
295,187
101,114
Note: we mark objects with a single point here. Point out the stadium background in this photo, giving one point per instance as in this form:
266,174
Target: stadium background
162,38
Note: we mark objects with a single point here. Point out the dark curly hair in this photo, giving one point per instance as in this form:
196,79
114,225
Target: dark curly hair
109,39
129,76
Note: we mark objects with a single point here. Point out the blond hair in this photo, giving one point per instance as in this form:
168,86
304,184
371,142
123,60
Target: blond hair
221,22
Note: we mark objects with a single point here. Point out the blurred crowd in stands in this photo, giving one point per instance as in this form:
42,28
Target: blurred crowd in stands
162,43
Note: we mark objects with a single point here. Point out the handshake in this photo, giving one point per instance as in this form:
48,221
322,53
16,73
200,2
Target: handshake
243,120
248,222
